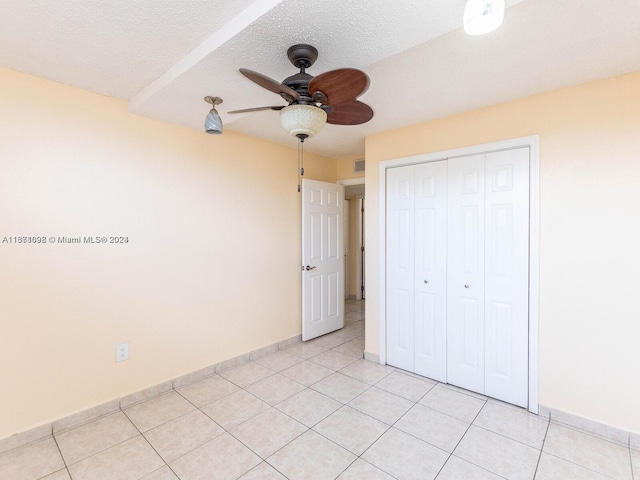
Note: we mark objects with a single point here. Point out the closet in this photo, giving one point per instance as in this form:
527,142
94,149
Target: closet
457,266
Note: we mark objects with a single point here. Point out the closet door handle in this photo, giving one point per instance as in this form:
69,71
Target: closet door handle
466,286
426,281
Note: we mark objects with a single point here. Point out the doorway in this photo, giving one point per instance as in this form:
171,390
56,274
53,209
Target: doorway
354,239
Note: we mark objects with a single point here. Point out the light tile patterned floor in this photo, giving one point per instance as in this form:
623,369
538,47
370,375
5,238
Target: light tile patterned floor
318,411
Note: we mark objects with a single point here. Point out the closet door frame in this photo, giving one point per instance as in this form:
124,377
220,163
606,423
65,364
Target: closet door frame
532,142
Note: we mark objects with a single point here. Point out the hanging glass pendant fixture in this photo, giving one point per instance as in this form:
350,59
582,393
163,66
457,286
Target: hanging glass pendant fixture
213,122
483,16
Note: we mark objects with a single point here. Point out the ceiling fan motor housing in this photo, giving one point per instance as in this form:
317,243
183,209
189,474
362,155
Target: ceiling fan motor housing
302,55
300,83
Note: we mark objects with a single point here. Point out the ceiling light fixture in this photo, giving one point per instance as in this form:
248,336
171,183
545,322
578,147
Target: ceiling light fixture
213,122
483,16
302,121
305,120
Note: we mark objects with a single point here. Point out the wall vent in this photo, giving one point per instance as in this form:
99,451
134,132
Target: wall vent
358,165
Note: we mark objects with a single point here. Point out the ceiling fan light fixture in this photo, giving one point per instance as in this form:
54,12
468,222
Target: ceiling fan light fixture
213,122
306,120
483,16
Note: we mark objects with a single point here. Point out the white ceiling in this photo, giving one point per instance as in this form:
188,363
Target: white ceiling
164,56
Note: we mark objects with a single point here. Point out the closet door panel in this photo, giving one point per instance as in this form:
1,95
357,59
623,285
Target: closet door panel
507,276
465,272
400,267
431,270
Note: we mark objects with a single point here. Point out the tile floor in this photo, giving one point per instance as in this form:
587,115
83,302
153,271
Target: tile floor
319,411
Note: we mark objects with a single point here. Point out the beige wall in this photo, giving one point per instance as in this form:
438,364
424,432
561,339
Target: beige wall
590,233
211,269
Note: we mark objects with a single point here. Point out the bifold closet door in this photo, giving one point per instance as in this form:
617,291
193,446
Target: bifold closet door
506,276
416,268
487,284
457,272
465,272
431,270
400,267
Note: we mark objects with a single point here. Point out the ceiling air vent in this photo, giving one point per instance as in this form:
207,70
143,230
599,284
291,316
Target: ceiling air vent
358,165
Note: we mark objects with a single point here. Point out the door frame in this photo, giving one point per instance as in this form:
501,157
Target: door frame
359,233
533,142
346,223
361,252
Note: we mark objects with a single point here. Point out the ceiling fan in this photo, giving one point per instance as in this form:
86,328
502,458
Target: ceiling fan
330,97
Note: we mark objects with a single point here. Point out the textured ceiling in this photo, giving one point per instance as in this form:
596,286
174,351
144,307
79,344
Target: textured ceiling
164,56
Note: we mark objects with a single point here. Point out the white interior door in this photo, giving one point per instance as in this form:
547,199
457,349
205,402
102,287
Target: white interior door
430,278
465,271
400,267
507,276
322,258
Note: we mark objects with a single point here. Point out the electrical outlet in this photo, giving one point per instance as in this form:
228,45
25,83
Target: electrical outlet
122,352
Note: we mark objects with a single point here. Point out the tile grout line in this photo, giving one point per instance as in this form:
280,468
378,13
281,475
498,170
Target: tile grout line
589,433
99,451
633,475
166,464
584,467
509,438
596,437
461,438
389,426
541,449
448,414
319,433
485,400
66,467
253,417
148,442
265,460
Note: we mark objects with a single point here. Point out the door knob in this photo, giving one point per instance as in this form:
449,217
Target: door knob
426,281
307,268
466,286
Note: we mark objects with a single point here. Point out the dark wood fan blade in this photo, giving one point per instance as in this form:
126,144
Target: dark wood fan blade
352,113
257,109
269,83
340,86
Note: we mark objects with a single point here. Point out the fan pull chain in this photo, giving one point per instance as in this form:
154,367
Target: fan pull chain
299,181
300,162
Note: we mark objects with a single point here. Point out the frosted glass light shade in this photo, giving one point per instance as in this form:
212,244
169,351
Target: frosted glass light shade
483,16
213,123
303,119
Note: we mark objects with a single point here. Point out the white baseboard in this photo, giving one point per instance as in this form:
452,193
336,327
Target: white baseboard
372,357
601,430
